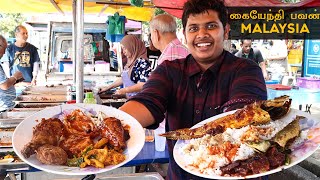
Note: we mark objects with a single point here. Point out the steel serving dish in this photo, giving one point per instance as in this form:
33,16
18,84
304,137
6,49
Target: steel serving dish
9,123
49,90
7,127
40,98
6,132
20,114
27,106
6,136
16,165
135,176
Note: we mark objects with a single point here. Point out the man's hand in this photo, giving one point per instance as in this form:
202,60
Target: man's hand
17,75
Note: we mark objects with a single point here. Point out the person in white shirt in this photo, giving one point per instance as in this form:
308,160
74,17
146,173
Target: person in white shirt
7,90
163,36
277,59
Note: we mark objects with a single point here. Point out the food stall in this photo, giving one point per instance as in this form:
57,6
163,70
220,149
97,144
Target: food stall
146,155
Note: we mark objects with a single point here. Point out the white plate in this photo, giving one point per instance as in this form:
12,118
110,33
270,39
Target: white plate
23,134
299,154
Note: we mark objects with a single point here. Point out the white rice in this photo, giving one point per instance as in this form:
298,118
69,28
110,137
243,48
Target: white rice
198,156
244,152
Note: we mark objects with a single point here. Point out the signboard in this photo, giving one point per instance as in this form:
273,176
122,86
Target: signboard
311,62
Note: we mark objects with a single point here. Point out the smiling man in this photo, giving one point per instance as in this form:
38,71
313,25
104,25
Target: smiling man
207,82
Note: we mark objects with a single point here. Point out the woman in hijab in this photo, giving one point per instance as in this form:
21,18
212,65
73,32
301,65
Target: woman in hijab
137,69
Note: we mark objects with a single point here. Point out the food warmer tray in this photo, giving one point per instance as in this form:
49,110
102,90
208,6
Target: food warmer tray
9,123
19,114
13,166
40,98
7,127
135,176
27,106
51,90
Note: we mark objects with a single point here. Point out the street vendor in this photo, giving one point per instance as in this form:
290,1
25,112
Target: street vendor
137,69
7,90
207,82
24,56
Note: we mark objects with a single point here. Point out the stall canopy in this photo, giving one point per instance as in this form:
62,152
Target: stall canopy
174,7
123,7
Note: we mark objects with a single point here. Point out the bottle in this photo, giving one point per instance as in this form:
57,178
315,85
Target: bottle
89,99
160,142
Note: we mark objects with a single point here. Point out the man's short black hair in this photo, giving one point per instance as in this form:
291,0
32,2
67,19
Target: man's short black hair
242,40
202,6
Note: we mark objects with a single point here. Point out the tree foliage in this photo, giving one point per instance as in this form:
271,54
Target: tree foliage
160,11
8,22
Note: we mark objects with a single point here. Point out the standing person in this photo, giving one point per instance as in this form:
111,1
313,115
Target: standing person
254,54
277,59
233,49
163,35
7,90
137,69
206,83
153,54
24,56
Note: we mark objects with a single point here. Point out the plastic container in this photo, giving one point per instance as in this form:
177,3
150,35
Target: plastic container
272,82
160,142
101,67
89,99
308,82
88,68
67,68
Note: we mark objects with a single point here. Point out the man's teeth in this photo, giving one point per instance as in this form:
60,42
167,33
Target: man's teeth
204,44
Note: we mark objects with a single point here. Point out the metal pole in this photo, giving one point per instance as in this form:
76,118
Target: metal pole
79,52
74,39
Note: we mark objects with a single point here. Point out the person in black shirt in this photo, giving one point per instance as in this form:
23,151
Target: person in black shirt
153,54
254,54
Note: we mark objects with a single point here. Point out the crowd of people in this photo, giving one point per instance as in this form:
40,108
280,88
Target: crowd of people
189,83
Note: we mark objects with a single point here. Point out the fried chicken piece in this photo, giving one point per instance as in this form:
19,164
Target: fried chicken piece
48,154
113,130
48,131
78,123
75,144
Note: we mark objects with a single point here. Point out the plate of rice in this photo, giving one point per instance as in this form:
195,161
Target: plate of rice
229,155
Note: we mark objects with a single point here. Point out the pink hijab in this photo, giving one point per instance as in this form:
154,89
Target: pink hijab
136,47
